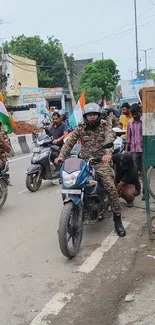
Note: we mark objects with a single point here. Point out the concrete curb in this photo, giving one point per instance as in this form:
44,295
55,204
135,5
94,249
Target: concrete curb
21,144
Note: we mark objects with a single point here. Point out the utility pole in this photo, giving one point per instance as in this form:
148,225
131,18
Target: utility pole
145,51
136,35
68,77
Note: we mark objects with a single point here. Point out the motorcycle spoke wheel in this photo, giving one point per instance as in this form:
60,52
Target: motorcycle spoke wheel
70,230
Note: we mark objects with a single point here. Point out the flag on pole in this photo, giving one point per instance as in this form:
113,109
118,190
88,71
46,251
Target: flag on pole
76,116
5,118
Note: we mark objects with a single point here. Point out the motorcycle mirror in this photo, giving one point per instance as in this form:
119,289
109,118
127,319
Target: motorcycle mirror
107,144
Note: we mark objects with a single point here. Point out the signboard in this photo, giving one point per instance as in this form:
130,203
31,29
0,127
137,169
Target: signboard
130,88
34,96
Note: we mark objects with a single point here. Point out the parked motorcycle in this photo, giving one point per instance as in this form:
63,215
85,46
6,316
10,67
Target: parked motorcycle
42,163
4,182
84,199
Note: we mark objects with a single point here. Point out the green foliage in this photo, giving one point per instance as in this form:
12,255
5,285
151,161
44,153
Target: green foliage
47,55
100,77
150,74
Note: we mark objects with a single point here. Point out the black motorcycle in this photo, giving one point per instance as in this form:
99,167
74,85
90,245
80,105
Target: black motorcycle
42,163
4,183
84,198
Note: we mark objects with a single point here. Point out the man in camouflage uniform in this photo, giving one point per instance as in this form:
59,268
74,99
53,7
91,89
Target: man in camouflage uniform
92,134
4,147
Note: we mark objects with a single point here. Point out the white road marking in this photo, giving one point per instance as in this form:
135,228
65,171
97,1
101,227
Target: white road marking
23,191
19,158
92,261
53,308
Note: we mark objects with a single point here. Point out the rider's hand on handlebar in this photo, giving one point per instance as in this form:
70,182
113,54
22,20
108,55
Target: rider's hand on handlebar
58,160
106,158
54,141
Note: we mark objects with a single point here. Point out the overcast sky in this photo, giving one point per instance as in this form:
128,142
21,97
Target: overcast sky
86,27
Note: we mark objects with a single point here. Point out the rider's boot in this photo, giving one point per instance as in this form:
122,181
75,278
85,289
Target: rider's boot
118,225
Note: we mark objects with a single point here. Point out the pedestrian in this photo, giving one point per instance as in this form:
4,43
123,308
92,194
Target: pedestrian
134,137
125,118
92,133
126,177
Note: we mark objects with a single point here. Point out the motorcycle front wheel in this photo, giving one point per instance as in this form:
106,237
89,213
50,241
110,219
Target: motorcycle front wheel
70,230
33,183
3,192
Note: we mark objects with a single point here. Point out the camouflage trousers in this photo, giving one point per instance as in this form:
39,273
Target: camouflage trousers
2,163
106,175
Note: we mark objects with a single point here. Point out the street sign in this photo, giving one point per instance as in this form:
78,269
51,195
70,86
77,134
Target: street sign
130,88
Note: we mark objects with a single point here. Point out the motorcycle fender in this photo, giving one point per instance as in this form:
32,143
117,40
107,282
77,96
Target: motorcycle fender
34,169
76,201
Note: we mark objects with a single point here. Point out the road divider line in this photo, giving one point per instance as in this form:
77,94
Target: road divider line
23,191
92,261
19,158
53,308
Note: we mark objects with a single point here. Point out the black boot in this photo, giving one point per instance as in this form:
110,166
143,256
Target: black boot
118,225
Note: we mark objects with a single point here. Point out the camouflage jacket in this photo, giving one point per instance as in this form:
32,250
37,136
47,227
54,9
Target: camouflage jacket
91,140
3,154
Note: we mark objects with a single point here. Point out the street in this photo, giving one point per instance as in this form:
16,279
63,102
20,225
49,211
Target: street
36,281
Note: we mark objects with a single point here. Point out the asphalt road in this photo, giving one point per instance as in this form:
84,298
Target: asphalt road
36,281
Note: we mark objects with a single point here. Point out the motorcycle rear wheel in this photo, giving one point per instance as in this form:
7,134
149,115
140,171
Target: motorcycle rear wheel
3,192
31,183
70,228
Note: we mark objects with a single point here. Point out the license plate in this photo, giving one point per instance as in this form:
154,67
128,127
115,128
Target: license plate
36,150
63,191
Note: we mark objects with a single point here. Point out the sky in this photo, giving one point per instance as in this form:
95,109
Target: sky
86,28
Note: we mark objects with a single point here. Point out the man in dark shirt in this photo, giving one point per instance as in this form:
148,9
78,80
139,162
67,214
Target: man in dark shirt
126,178
58,129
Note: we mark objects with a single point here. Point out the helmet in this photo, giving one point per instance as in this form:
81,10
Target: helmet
92,108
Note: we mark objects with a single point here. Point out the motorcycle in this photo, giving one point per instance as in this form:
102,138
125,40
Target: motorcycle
4,183
42,163
84,199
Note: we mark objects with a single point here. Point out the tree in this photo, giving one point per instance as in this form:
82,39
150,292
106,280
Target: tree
93,94
102,75
149,73
47,55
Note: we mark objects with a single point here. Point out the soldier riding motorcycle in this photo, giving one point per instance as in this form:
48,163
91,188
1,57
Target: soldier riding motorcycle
92,134
5,149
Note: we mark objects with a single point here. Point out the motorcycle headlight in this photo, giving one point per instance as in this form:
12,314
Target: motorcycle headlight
69,180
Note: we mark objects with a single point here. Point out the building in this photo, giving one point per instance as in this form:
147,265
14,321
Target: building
20,72
79,70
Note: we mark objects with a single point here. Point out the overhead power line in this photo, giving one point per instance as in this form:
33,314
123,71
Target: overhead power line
113,35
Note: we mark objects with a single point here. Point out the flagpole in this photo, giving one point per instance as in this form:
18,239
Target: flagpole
68,77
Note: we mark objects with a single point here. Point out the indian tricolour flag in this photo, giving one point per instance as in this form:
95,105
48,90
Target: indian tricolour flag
76,116
5,118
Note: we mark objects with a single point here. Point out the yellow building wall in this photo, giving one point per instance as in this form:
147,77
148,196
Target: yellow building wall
23,73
